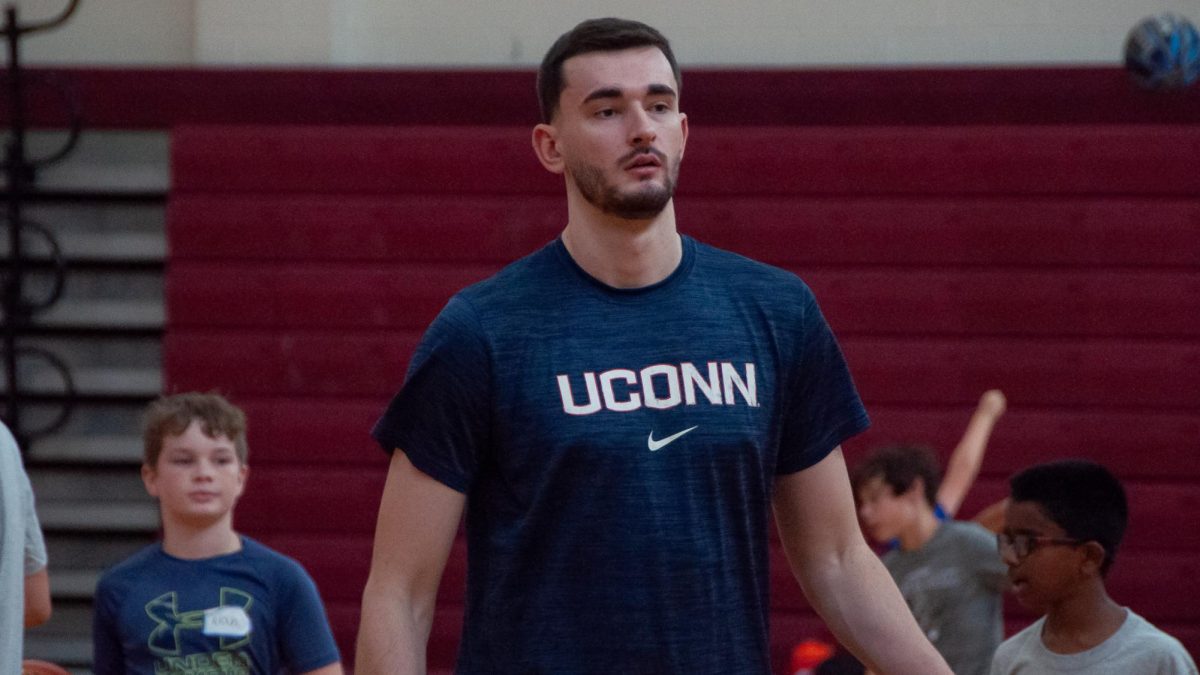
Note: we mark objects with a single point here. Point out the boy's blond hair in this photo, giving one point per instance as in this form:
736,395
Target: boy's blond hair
171,416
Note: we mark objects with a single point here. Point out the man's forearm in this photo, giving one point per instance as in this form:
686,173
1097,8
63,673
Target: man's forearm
860,603
391,636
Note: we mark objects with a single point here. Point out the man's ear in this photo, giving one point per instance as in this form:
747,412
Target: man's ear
683,124
545,146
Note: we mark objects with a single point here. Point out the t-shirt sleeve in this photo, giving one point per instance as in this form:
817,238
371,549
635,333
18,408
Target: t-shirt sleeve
441,417
1176,660
822,406
1180,664
305,638
106,640
35,543
1004,656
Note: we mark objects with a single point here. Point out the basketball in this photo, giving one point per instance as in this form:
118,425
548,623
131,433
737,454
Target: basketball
1163,52
38,667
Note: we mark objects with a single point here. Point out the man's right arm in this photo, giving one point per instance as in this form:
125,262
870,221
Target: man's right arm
418,520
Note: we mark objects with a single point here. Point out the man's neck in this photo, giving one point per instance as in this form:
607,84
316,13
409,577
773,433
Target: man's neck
1083,620
194,542
920,531
623,253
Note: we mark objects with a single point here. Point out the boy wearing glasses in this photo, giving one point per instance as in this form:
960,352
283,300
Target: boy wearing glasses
1063,524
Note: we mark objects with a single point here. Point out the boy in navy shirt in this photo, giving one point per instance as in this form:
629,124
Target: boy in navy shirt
206,599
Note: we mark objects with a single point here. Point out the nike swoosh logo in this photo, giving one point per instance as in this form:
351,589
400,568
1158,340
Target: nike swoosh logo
655,445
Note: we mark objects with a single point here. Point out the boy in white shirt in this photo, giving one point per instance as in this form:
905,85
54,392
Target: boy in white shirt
1063,524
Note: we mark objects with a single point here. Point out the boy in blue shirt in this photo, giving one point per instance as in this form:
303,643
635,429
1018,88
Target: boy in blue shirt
206,599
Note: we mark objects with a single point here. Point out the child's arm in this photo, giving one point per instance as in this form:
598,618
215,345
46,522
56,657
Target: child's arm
37,598
968,455
992,516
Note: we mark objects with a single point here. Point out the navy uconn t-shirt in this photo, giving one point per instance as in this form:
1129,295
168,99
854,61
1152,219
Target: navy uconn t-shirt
618,450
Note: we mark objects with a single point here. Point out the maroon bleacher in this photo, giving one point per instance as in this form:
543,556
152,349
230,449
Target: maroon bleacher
1058,262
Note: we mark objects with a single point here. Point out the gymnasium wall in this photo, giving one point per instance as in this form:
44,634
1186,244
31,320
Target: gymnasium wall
1032,230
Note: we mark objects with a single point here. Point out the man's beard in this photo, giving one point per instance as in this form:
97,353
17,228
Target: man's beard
646,201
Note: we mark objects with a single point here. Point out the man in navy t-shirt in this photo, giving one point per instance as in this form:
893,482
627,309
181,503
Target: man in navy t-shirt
617,414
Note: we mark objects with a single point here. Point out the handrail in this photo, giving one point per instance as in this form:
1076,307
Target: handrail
45,25
20,173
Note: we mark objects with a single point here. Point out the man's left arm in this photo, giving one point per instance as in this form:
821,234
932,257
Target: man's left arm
842,577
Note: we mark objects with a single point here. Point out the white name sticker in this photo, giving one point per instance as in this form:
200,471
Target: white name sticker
226,622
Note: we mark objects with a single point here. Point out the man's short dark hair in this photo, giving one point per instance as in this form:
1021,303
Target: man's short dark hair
898,466
594,35
1083,498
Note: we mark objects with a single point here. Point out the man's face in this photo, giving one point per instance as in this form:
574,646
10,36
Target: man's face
619,130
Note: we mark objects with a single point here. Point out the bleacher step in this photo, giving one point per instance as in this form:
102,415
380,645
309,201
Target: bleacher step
64,651
87,552
82,516
106,247
115,247
87,483
94,449
74,584
117,314
66,638
96,381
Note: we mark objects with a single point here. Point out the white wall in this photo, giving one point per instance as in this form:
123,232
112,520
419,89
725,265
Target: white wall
104,32
516,33
781,32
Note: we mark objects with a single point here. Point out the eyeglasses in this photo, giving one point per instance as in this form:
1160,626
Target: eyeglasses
1021,545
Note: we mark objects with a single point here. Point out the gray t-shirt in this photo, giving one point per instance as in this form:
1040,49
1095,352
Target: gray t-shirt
1137,647
953,586
22,550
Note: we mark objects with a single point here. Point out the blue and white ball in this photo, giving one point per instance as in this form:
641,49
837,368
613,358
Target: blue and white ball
1163,52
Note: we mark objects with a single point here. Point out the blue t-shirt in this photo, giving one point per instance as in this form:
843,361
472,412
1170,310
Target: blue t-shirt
251,611
619,449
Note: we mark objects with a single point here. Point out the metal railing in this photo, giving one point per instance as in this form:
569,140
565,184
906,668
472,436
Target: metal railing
20,172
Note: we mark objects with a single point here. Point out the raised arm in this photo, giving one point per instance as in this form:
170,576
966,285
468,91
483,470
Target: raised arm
842,577
418,519
968,454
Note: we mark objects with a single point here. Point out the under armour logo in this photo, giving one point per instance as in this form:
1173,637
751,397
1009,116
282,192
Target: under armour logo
164,610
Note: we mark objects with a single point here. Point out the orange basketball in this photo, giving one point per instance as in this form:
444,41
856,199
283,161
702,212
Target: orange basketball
39,667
